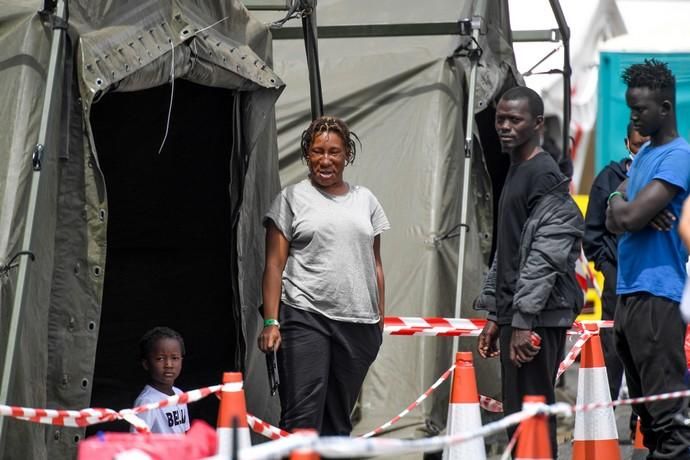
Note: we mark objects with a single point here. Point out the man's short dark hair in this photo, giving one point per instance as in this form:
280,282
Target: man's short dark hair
652,74
536,105
148,340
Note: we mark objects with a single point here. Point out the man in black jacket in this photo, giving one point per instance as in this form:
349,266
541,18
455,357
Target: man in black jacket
531,288
600,247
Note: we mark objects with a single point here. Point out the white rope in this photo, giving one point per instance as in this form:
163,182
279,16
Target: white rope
172,94
346,447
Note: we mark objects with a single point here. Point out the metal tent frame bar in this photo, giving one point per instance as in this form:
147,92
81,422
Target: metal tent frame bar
407,30
50,99
567,71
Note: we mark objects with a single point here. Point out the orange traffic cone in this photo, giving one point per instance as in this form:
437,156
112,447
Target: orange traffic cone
534,441
640,452
305,453
232,415
463,410
595,436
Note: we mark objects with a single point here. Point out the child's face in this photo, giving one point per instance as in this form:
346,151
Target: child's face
164,363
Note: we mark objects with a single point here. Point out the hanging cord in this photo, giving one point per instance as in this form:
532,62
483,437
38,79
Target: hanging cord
4,269
452,233
172,77
212,25
293,13
465,50
548,55
172,94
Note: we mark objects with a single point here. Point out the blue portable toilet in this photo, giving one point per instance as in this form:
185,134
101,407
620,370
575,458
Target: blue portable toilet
613,113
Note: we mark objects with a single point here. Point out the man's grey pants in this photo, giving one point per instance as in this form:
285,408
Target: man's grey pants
322,364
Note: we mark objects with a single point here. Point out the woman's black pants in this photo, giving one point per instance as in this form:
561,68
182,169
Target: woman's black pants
322,364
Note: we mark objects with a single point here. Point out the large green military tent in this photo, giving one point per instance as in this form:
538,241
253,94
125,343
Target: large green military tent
150,196
138,200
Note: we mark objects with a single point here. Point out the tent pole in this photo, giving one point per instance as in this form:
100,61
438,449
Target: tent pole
311,46
567,71
55,65
474,53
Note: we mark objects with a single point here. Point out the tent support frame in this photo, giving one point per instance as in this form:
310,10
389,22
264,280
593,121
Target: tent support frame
567,71
412,29
311,46
55,65
474,54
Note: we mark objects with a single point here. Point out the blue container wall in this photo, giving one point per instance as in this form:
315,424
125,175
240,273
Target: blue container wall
613,114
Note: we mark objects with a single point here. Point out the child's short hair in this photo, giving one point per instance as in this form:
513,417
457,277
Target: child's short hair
152,336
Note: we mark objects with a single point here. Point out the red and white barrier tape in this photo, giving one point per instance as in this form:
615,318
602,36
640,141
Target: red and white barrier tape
403,325
345,447
269,431
574,352
409,408
490,404
91,416
451,327
630,401
427,326
485,402
265,429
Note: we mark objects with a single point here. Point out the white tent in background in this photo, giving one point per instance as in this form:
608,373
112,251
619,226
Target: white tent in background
591,23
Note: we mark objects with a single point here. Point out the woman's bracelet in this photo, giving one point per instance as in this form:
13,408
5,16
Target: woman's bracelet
271,322
616,193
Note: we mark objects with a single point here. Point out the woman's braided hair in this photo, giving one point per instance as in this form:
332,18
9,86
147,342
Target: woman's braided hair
328,124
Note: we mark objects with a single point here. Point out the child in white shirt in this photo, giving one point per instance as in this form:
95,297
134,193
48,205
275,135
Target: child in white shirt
162,351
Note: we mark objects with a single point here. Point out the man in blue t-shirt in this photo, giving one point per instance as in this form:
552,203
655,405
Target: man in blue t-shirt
648,327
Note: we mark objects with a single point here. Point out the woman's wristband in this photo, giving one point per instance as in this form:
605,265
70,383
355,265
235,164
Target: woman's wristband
616,193
271,322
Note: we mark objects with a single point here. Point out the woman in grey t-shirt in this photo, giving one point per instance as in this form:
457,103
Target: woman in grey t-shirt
323,285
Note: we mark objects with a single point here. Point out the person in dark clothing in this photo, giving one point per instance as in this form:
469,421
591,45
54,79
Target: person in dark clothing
600,247
565,163
649,330
531,286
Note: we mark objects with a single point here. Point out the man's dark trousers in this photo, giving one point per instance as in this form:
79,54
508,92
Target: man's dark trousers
536,377
650,336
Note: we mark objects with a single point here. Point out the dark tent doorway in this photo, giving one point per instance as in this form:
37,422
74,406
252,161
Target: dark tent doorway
170,236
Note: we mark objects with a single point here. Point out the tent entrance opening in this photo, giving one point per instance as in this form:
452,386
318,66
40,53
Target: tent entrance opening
169,236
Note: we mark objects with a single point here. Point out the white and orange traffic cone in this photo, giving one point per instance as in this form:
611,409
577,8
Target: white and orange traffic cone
534,441
305,453
595,435
640,452
232,415
463,411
